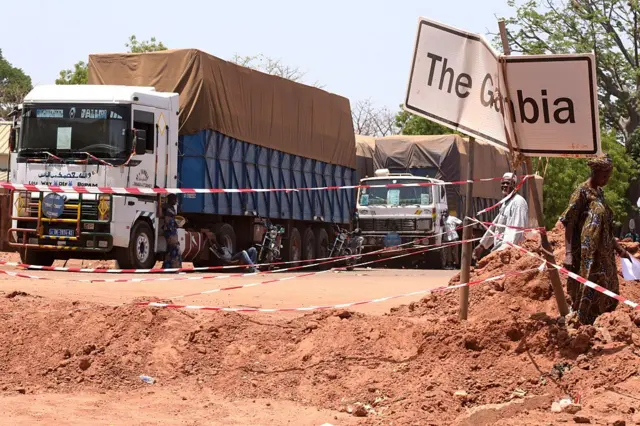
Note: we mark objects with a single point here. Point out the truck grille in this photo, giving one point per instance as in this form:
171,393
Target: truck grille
89,210
385,225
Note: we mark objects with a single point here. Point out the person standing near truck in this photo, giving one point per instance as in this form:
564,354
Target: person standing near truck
513,214
173,258
451,235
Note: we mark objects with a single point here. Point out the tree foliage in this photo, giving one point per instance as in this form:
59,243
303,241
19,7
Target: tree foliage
80,72
610,28
151,45
411,124
14,85
563,175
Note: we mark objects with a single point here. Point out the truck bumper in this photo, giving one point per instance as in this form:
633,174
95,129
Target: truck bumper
83,225
376,242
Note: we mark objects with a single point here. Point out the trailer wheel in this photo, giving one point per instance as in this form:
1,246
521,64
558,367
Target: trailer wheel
140,254
308,245
293,246
35,257
322,243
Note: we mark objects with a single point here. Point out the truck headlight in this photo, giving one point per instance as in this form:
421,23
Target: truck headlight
423,224
22,204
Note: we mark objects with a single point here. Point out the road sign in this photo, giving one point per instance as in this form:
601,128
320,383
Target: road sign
457,80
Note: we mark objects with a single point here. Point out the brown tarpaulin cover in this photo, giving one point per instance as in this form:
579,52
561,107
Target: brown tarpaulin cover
447,155
365,147
239,102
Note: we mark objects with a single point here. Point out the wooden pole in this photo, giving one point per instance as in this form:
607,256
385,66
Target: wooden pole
467,234
533,189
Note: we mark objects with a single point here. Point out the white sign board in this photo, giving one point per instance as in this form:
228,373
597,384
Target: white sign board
457,80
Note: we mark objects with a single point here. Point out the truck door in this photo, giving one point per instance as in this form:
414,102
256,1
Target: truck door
151,168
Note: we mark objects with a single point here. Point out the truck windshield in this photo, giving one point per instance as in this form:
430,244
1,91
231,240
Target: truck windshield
70,130
403,196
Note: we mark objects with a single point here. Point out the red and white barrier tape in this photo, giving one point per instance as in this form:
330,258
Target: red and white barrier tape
505,199
155,191
565,271
204,277
215,268
517,228
238,287
19,275
251,274
337,306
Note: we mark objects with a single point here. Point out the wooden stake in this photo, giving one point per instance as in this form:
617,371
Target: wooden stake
467,234
533,188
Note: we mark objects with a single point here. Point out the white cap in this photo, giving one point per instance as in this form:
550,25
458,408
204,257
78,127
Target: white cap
509,177
632,224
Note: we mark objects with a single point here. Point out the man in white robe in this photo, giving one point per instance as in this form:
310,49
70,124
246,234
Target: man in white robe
513,212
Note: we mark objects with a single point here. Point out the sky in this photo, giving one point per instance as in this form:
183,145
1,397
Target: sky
360,49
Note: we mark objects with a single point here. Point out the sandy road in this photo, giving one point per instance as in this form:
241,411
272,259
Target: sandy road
326,288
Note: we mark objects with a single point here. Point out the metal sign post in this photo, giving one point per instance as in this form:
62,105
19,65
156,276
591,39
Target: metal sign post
465,266
547,250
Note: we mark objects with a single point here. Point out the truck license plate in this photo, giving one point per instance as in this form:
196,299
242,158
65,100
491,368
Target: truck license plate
55,232
392,239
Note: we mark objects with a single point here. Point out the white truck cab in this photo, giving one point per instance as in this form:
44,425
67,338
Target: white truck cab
412,211
93,136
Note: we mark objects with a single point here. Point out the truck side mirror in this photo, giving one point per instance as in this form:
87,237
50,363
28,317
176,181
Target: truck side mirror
140,141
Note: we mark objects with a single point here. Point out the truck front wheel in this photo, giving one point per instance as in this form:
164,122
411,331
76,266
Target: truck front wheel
436,258
140,254
39,258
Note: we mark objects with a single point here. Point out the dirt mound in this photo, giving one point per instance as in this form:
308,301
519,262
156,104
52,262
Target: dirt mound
524,288
404,370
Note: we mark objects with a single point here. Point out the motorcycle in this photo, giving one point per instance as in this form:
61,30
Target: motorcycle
269,249
347,244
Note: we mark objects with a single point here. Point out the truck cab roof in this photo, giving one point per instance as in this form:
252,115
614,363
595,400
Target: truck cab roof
403,176
83,93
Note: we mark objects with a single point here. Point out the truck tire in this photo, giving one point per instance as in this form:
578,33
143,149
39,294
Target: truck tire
226,236
435,259
308,245
141,253
35,257
322,243
293,246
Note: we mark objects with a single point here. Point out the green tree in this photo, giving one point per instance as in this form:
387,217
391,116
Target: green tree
80,72
14,84
563,175
144,46
611,29
411,124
